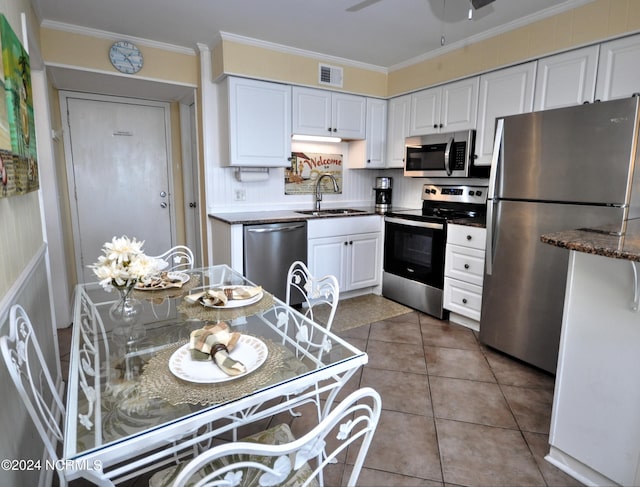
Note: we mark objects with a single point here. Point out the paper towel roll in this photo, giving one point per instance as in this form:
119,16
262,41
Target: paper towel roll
252,175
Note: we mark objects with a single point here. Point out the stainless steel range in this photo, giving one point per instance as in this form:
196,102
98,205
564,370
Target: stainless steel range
415,241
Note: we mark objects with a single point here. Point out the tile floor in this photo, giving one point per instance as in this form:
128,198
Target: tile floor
455,413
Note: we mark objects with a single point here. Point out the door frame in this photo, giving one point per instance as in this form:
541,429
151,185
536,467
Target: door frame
191,179
64,95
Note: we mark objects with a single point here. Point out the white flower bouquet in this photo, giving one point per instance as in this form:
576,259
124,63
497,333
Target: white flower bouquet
124,264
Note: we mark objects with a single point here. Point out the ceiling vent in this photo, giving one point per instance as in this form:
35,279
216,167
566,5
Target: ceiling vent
330,75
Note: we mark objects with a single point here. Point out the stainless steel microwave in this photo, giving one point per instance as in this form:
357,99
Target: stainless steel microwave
445,155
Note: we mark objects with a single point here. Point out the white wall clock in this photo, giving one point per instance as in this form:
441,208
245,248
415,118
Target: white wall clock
125,57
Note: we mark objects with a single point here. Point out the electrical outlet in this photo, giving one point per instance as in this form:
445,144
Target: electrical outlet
240,194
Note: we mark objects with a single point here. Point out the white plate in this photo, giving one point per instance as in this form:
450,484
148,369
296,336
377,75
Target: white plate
249,350
183,277
236,303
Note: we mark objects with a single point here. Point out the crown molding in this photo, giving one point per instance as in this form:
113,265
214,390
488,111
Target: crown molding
227,36
103,34
529,19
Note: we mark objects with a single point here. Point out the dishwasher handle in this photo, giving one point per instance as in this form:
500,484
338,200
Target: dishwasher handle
281,228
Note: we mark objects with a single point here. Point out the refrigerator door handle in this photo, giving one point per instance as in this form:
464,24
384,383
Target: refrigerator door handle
447,156
489,242
495,160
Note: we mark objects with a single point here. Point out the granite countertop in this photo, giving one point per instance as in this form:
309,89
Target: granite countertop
600,242
281,216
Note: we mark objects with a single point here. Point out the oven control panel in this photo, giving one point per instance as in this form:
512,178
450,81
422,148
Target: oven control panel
455,194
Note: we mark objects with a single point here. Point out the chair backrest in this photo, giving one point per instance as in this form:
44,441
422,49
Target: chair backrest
351,422
30,374
319,293
179,258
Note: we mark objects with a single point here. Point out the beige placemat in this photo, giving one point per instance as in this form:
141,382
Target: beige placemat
157,381
199,312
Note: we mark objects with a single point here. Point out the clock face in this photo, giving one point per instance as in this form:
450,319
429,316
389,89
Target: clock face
125,57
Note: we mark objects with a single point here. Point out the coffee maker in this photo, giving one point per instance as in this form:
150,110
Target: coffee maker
383,194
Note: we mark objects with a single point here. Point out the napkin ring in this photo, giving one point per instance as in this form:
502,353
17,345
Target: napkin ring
218,347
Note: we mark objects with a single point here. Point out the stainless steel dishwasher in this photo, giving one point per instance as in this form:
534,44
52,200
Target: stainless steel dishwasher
269,251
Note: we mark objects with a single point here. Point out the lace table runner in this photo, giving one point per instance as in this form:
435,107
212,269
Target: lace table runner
157,381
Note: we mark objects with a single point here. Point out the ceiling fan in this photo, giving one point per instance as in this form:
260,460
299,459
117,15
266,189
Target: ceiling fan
367,3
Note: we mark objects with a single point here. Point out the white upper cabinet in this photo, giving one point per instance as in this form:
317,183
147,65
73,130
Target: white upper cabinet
618,69
371,153
445,108
504,92
259,123
399,110
566,79
322,112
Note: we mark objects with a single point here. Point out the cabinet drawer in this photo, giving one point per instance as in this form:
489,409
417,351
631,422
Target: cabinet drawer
465,264
474,237
350,225
463,298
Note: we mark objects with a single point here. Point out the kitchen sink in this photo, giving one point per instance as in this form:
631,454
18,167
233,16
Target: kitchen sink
332,211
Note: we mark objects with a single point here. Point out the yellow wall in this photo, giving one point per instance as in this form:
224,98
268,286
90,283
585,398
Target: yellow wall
588,24
259,62
86,52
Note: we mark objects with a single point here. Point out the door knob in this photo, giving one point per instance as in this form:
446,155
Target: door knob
163,204
163,194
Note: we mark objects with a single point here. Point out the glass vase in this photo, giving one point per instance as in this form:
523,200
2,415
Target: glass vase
126,311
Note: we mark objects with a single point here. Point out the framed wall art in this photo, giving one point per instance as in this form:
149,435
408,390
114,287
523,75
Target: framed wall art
18,155
306,168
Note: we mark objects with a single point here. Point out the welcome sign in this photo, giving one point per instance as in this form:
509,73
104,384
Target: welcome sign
306,168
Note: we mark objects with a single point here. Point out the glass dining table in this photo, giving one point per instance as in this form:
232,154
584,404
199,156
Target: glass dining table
137,398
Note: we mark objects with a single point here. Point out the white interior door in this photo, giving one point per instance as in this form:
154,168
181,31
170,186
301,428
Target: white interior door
119,174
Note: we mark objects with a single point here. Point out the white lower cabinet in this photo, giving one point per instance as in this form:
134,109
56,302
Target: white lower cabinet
595,426
348,248
463,274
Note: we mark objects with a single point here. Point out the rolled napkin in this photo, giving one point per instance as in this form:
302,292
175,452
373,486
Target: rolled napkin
216,341
163,281
221,296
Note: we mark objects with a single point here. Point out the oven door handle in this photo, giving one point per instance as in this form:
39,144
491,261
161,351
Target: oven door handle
413,223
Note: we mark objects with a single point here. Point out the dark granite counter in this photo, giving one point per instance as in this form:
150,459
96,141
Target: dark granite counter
600,242
280,216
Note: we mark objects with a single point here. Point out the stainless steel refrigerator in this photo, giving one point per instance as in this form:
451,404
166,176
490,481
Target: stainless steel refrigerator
552,170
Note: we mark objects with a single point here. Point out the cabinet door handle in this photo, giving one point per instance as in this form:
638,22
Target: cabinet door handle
469,237
464,300
466,266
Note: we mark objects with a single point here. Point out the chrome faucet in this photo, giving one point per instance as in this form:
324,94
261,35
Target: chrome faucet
319,193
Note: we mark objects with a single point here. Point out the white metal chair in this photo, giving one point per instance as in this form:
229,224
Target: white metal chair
275,457
322,292
30,374
179,258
